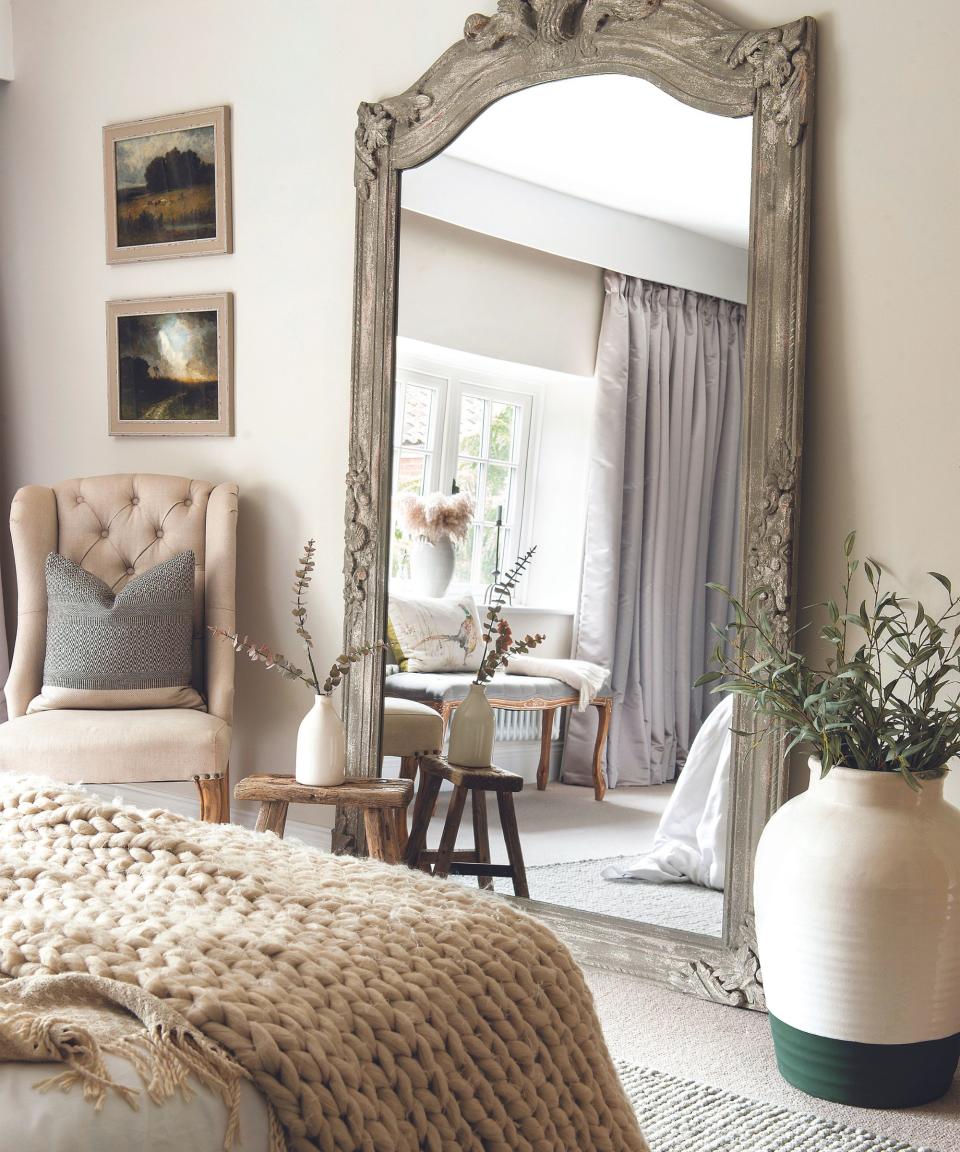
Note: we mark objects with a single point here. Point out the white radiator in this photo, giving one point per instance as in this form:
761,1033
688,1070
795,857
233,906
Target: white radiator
515,726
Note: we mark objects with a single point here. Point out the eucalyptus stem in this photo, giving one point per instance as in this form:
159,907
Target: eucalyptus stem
262,654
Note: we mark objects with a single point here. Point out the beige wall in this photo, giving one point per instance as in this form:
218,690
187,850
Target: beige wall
462,289
294,74
883,401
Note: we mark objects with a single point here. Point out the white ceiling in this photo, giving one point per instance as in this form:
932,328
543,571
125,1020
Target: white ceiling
621,142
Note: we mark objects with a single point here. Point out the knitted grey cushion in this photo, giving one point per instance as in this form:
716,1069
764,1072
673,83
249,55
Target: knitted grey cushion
128,649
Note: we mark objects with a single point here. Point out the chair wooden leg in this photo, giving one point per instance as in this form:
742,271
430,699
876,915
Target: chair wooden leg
546,739
511,835
214,798
408,767
450,829
604,712
481,837
423,808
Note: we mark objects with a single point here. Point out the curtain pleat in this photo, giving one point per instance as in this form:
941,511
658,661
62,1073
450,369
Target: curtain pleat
662,520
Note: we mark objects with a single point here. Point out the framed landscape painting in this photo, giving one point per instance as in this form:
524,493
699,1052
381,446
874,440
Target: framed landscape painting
170,366
168,186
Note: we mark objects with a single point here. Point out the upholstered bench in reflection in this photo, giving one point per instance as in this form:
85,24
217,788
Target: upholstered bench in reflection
443,691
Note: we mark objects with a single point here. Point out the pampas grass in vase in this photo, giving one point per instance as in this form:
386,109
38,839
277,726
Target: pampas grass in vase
435,522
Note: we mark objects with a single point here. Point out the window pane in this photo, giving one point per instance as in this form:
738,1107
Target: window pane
468,478
471,426
497,492
399,556
502,431
417,411
463,567
411,472
488,554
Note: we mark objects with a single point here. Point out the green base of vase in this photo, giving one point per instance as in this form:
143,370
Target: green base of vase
865,1075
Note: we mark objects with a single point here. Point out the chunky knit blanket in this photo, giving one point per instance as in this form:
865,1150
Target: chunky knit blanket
375,1008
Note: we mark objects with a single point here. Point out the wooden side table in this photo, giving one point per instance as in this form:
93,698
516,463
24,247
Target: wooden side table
475,861
383,802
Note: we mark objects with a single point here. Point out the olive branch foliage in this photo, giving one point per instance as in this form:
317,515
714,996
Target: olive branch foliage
887,699
262,654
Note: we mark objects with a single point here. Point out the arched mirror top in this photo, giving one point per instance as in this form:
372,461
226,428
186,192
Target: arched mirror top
679,45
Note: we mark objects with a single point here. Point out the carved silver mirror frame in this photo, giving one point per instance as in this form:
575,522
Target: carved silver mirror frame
714,65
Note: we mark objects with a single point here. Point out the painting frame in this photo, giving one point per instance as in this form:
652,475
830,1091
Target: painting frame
217,120
220,303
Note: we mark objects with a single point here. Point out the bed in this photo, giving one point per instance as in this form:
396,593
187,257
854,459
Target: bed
328,1002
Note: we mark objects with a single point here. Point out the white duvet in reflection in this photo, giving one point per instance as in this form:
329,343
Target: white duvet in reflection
691,840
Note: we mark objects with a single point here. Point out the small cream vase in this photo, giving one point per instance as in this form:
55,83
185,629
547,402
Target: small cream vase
472,731
321,746
857,897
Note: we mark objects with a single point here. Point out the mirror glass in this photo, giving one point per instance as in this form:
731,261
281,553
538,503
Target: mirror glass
570,356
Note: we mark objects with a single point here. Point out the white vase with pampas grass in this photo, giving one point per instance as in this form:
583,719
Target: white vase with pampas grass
435,522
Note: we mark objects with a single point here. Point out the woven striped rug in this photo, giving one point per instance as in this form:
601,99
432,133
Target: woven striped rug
683,1116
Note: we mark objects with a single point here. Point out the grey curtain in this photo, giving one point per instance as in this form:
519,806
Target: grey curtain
662,520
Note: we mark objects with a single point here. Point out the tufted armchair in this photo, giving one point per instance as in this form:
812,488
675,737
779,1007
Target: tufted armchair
117,527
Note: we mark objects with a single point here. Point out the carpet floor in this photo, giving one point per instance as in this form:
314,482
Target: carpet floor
650,1026
579,884
683,1116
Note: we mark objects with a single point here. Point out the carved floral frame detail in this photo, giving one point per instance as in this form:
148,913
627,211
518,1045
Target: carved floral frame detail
714,65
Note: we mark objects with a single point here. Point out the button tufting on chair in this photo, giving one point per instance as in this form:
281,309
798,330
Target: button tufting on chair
79,499
104,534
129,571
159,533
135,500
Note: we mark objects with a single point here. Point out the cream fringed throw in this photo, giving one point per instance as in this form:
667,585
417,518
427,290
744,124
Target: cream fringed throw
374,1008
76,1019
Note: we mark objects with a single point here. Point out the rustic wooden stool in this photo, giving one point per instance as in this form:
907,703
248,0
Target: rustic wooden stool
474,861
384,804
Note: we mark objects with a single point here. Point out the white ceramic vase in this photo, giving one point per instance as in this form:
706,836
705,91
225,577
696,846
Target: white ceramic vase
857,896
431,566
472,731
321,746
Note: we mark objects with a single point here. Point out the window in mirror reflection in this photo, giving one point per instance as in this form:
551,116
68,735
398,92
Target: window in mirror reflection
470,432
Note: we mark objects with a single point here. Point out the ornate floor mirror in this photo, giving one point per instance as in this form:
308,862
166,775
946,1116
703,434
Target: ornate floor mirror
606,159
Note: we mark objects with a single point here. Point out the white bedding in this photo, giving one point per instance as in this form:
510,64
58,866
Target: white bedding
691,840
55,1121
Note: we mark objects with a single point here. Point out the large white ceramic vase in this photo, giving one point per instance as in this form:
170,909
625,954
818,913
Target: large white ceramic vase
472,731
321,746
431,566
857,895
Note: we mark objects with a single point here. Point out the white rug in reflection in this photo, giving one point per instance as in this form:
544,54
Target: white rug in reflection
579,885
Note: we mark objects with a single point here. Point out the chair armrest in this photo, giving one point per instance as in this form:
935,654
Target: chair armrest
220,598
33,527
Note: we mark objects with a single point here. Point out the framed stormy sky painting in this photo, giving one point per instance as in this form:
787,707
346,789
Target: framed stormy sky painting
170,366
168,186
